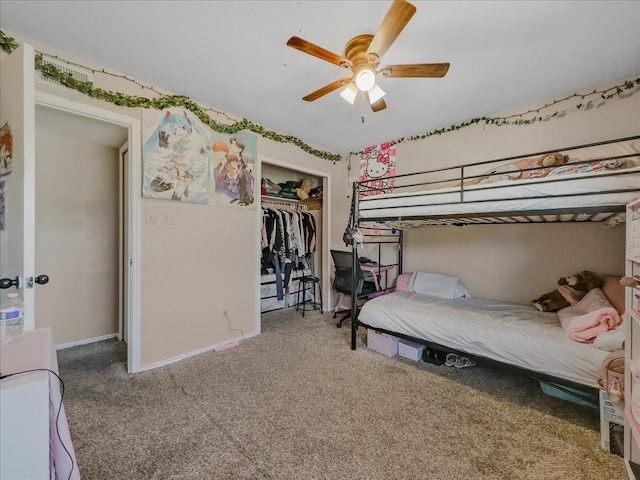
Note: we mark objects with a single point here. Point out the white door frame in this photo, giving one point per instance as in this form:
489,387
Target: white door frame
133,180
326,209
17,250
123,253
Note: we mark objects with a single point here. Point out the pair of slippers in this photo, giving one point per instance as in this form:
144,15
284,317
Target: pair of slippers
453,360
433,356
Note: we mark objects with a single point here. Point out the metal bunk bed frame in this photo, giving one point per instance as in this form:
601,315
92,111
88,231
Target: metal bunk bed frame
577,214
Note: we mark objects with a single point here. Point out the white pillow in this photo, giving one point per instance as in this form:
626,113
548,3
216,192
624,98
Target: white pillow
437,285
461,291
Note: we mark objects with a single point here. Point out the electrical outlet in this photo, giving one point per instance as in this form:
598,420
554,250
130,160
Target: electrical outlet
225,308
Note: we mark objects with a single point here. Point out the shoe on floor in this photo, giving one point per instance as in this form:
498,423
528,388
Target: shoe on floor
464,362
427,356
451,359
438,357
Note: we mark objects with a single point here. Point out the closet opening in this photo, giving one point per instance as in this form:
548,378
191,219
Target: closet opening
295,195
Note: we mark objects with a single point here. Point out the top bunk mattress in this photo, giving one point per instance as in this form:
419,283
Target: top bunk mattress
517,335
595,176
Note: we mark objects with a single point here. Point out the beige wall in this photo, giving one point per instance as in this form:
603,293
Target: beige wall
515,263
76,238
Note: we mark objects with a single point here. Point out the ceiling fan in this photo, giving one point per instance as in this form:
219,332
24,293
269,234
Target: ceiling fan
362,56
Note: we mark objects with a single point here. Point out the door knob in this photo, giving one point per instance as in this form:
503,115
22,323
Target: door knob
9,282
42,279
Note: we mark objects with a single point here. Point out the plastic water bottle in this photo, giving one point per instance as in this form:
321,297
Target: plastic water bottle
11,319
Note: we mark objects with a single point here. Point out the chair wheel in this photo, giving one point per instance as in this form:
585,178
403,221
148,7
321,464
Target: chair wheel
339,325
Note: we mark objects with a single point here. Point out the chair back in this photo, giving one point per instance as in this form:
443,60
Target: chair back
342,282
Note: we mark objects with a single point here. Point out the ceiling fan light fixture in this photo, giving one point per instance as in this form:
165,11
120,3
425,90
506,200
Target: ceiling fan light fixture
362,55
365,79
375,93
349,93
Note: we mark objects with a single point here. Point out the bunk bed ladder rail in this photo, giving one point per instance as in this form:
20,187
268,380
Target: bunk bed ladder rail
353,222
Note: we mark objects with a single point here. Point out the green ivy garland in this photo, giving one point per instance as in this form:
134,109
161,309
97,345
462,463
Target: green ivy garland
7,44
535,114
162,102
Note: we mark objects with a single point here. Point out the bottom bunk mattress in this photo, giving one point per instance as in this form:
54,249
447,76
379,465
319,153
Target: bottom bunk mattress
517,335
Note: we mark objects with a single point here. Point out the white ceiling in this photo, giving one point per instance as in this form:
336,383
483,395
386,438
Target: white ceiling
232,55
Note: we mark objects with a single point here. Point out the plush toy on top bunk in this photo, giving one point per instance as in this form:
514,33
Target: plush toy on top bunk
569,292
524,168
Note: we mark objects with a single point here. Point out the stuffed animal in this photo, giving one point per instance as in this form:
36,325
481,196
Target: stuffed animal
569,292
546,161
520,169
553,159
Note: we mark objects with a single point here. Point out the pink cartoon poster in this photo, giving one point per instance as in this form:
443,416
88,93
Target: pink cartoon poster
378,169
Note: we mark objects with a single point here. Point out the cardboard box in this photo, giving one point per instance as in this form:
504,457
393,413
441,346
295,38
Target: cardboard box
611,425
411,350
382,343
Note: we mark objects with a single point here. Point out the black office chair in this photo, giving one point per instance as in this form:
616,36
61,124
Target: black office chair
342,282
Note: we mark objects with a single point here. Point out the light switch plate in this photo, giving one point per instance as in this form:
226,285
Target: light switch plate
168,218
150,217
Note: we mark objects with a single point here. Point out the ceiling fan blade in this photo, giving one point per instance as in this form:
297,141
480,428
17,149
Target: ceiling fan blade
316,51
393,23
418,70
377,105
321,92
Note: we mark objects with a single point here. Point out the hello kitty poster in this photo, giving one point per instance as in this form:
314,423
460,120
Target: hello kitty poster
378,169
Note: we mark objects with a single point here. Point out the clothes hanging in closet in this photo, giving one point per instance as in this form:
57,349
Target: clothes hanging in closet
289,234
287,237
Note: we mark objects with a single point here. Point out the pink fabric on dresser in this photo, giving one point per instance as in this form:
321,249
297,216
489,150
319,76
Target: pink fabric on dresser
588,318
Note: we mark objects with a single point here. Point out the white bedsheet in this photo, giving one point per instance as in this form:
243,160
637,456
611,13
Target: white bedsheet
514,334
514,196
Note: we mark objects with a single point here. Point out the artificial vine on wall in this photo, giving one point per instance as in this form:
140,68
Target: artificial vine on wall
586,102
162,101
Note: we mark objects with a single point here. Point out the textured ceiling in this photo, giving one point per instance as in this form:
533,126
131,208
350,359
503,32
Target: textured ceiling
233,56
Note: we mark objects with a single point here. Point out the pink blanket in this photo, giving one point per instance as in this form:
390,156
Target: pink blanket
588,318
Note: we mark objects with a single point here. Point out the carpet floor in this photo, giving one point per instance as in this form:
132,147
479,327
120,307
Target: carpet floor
296,403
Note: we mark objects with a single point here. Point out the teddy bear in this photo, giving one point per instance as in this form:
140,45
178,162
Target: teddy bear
546,161
570,291
520,169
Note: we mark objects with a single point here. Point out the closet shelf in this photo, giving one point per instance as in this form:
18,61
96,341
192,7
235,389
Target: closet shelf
279,199
312,203
309,203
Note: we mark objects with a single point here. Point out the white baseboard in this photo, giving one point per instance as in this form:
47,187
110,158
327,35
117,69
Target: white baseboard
85,341
196,352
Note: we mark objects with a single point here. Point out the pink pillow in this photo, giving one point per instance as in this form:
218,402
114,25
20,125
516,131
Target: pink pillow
614,292
402,283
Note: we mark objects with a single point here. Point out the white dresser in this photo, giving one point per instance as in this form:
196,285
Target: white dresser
35,440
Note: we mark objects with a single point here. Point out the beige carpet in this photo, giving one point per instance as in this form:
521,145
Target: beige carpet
296,403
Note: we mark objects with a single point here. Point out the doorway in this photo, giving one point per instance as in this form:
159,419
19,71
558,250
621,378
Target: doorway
86,236
321,179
